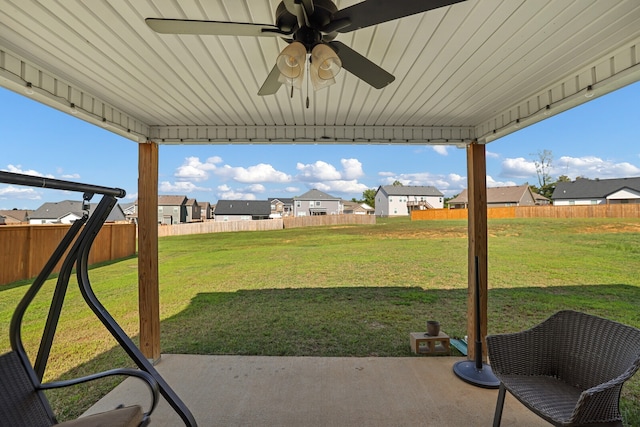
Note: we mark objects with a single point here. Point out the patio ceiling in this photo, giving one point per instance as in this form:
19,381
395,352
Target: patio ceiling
476,70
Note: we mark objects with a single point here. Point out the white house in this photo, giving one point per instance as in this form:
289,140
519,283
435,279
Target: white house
597,192
400,200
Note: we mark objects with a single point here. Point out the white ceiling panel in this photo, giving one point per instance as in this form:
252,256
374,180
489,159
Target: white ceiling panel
476,70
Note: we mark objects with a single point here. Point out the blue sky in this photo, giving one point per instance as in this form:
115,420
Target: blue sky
596,140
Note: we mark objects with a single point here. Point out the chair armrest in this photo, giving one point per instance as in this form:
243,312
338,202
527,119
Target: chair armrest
146,377
600,402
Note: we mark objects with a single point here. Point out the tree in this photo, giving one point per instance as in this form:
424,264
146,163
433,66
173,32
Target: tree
543,167
369,197
543,163
397,183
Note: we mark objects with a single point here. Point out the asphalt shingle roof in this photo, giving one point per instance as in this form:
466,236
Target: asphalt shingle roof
316,195
55,210
593,188
243,207
511,194
411,190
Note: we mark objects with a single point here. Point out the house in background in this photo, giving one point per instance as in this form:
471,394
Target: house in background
502,197
597,192
316,202
16,216
205,211
355,208
281,207
69,211
400,200
242,210
193,210
130,211
172,209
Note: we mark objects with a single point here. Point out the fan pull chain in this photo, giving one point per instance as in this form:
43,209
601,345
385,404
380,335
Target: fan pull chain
308,68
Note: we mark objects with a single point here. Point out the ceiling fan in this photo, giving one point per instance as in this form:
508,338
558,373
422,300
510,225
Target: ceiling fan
310,27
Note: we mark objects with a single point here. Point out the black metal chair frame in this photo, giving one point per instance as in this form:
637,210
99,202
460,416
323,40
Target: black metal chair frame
86,229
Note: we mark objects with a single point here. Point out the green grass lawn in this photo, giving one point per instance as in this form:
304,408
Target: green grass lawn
344,291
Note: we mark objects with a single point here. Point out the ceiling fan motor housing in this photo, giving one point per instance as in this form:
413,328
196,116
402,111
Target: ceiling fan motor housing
312,34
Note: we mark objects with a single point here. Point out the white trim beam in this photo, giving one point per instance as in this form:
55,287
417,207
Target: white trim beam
20,76
283,134
608,73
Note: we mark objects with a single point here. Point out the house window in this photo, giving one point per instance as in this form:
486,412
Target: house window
175,209
390,199
310,204
317,203
395,210
594,202
298,204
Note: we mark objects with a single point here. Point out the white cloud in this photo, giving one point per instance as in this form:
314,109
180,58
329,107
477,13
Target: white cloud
256,188
318,171
518,168
491,154
71,176
11,192
386,173
261,172
340,186
193,169
441,149
18,169
292,189
493,183
593,167
352,168
131,196
226,193
183,187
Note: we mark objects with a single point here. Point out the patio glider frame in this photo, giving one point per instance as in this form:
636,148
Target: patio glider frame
569,369
16,366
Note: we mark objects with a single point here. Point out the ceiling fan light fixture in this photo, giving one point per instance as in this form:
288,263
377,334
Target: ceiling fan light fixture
290,63
325,65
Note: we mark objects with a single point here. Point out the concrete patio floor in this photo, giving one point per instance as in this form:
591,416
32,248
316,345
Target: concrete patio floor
320,391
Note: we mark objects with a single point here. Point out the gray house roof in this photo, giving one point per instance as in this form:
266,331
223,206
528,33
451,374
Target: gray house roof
171,200
593,188
510,194
316,195
56,210
410,190
243,207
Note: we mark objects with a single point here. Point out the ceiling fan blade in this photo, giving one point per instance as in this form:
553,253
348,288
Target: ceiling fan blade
272,83
360,66
370,12
215,28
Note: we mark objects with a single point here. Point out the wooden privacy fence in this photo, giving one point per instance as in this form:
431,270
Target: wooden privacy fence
25,249
262,225
549,211
319,220
218,227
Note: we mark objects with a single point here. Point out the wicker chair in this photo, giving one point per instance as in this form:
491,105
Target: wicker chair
569,369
